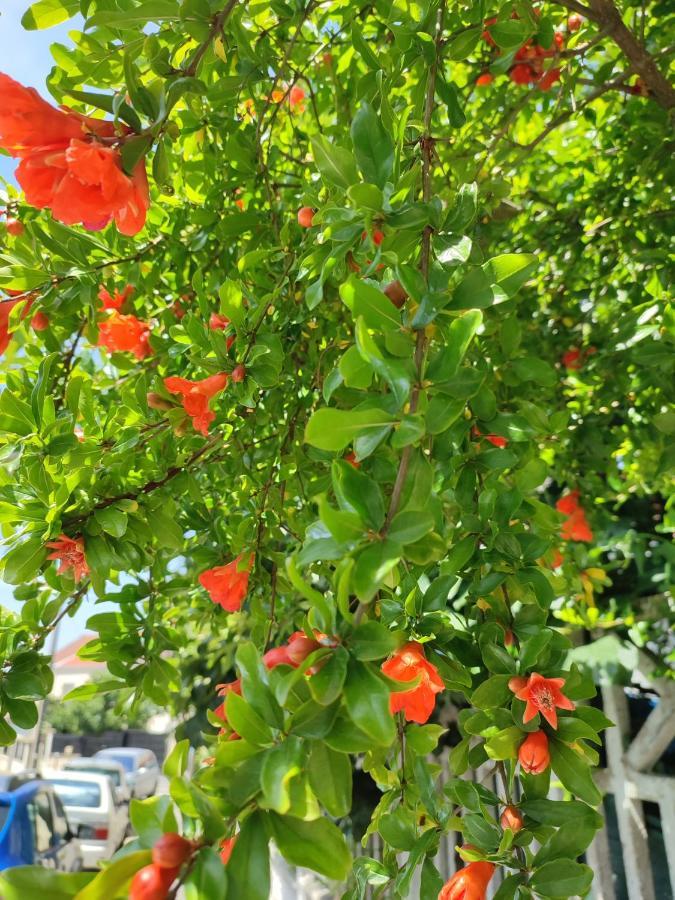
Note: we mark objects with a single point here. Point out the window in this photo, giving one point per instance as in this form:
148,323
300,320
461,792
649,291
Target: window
125,760
112,774
61,828
40,814
78,793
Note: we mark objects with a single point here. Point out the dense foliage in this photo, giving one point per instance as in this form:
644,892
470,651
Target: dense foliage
359,414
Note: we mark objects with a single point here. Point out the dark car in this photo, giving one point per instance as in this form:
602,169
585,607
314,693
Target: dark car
34,829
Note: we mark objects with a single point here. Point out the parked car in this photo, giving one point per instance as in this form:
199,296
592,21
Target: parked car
93,810
114,771
34,828
140,767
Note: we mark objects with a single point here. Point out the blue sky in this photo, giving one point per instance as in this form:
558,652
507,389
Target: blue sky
25,56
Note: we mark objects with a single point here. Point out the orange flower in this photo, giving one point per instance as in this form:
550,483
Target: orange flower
196,396
117,300
125,334
410,664
65,167
278,656
576,528
70,551
495,439
226,847
277,96
470,883
227,585
533,753
296,95
542,695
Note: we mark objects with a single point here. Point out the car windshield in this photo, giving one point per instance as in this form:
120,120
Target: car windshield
126,761
78,793
112,774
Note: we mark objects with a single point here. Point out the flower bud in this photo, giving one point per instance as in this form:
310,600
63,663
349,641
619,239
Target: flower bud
238,373
511,818
156,401
40,321
15,227
300,646
171,851
396,293
151,883
533,753
305,216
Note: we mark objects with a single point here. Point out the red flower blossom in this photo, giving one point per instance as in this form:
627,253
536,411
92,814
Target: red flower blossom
522,74
495,439
410,664
227,585
533,753
218,322
557,559
125,334
196,396
6,307
572,358
64,167
70,551
352,460
277,656
548,79
117,300
15,227
296,97
226,847
542,695
470,883
484,79
576,527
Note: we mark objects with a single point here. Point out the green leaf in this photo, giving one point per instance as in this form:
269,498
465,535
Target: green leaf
23,713
372,567
568,842
373,147
574,772
110,880
151,818
373,640
25,686
459,336
371,304
23,562
207,878
246,721
232,302
330,777
334,429
336,165
133,151
176,762
317,845
367,700
409,526
357,493
494,691
46,13
562,878
558,812
20,882
248,870
113,521
280,765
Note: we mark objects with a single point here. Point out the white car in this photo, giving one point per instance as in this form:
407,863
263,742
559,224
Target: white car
140,767
114,771
92,808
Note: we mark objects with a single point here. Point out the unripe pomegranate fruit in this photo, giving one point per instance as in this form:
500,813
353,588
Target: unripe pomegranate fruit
40,321
512,818
15,227
396,293
171,851
238,373
574,22
305,216
152,883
